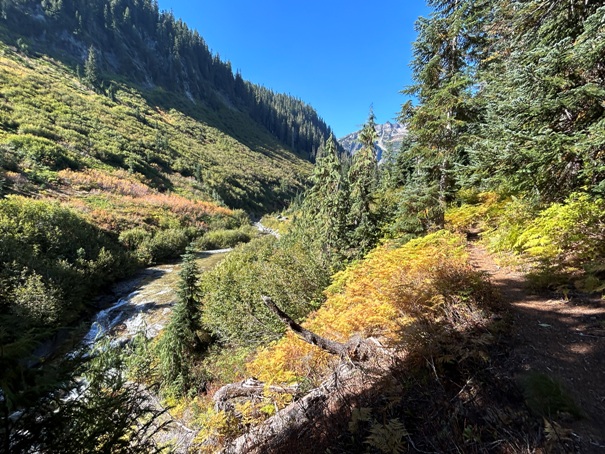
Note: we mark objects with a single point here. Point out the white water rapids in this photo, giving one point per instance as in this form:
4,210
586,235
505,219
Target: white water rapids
147,306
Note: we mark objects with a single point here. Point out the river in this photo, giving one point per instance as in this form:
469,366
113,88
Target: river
143,304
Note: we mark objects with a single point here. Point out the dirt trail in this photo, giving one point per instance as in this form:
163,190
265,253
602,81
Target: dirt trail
561,338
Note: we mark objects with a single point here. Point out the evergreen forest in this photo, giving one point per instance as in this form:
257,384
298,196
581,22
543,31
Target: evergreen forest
447,298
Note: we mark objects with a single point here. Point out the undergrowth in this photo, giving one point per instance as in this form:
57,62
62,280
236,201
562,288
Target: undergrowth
424,301
377,296
562,243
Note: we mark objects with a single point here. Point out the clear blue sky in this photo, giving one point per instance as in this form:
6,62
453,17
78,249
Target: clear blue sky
339,56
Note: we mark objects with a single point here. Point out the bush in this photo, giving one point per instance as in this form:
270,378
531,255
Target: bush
232,304
569,238
36,301
165,244
51,262
238,218
565,242
505,230
403,294
573,231
133,238
478,210
40,151
221,239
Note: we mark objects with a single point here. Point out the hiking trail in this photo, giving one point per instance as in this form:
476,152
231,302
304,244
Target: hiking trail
562,338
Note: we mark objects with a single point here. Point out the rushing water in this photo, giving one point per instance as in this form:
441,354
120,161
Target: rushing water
144,303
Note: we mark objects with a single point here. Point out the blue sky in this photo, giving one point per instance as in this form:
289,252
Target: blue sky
339,56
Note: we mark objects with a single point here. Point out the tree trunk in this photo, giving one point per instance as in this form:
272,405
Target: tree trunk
313,422
249,388
335,348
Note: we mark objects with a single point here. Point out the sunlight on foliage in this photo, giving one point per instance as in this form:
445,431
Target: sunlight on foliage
576,227
478,211
374,297
233,309
564,241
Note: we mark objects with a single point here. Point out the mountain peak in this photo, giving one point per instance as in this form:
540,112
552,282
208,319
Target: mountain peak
389,135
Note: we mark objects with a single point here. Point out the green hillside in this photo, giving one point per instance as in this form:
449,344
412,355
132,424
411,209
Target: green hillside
52,121
102,173
133,41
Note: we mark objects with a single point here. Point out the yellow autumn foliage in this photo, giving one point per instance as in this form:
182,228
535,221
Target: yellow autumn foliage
482,211
376,296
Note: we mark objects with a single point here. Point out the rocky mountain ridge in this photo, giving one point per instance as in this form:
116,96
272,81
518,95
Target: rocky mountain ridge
389,135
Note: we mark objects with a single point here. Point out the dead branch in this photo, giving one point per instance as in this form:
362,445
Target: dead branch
249,388
335,348
309,424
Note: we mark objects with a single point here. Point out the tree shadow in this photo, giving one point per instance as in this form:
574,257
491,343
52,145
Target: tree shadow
557,356
442,387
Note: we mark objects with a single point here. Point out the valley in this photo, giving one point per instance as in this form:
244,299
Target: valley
191,262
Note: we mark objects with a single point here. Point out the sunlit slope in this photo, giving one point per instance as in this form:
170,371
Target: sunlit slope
51,121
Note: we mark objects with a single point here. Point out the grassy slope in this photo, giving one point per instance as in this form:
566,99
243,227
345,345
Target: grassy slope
140,172
49,121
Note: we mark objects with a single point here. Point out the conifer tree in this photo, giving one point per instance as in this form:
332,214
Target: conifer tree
82,405
91,68
363,178
182,335
543,130
449,46
323,213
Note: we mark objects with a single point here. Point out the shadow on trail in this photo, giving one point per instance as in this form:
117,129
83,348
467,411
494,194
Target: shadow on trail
562,339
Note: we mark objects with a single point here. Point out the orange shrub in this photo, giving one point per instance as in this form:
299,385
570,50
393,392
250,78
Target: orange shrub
117,182
131,203
374,297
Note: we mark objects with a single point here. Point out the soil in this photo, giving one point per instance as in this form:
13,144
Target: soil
562,338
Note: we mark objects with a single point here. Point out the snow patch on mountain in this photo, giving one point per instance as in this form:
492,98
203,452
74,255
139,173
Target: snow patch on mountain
389,134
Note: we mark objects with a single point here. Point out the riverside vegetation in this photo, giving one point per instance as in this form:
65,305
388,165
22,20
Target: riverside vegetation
506,140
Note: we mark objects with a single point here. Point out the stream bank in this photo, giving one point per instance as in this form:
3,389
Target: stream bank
143,304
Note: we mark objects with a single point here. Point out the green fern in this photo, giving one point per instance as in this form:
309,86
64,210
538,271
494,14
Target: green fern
389,437
359,415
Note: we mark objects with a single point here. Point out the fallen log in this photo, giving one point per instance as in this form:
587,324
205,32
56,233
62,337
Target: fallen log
336,348
249,388
311,423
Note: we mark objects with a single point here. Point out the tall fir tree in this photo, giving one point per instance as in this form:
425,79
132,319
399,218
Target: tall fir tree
181,337
544,125
363,179
91,68
449,47
323,213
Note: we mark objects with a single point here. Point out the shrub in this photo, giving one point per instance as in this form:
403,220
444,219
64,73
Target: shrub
52,260
569,238
237,218
36,301
478,210
40,151
133,238
233,309
165,244
392,293
505,231
220,239
574,229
